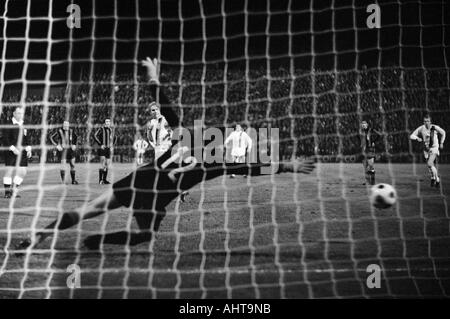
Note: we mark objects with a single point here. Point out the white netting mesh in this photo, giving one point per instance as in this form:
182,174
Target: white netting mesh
313,69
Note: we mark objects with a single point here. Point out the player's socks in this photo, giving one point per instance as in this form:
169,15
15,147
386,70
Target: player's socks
8,191
372,177
72,175
100,175
434,173
105,174
63,175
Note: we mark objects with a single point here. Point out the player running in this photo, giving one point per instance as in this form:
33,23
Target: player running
65,140
105,139
369,137
17,155
150,188
140,146
428,135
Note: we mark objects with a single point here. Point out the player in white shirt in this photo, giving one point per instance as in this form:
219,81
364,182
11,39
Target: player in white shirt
428,135
241,145
140,146
159,135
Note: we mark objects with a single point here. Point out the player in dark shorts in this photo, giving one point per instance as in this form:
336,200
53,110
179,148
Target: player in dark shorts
369,137
150,188
104,137
65,140
18,152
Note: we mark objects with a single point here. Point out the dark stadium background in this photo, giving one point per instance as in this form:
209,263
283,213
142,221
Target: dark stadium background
398,42
402,67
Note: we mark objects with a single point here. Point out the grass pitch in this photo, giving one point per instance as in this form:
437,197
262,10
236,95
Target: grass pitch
283,236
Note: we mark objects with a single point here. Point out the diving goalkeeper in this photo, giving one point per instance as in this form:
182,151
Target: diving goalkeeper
150,188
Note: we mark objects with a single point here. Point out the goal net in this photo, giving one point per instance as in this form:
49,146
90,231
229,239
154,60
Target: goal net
314,70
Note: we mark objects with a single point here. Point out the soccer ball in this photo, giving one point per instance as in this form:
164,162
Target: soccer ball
383,196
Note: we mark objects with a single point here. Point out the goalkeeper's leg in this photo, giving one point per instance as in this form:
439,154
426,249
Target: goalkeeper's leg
68,219
148,223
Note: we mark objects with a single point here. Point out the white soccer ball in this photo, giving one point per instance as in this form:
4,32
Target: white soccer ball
383,196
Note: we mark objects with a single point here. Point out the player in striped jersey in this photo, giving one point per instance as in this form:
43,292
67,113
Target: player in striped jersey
150,188
65,141
104,137
159,135
427,134
140,146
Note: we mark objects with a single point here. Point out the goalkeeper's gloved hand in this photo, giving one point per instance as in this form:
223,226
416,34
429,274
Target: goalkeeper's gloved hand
152,69
304,166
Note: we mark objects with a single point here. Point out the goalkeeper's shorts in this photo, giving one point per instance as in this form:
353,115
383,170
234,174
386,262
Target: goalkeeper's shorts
12,159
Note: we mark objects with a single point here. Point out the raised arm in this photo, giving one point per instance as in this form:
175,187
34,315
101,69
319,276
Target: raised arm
157,93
